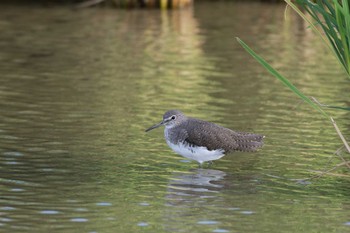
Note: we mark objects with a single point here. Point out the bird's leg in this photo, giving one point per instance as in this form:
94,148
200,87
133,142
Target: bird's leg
201,165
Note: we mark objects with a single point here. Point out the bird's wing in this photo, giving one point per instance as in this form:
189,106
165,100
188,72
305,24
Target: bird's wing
209,135
215,137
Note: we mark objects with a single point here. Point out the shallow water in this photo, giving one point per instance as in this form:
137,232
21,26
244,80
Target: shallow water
78,88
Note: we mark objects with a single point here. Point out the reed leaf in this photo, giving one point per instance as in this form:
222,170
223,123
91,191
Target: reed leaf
312,25
335,23
333,16
329,106
296,91
284,80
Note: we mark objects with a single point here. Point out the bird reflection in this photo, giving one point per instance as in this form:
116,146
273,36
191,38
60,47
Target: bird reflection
195,185
193,197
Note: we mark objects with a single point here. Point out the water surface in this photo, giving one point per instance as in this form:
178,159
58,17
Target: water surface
78,88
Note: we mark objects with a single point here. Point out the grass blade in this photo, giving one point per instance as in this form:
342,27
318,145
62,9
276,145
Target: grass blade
329,106
312,25
333,16
284,80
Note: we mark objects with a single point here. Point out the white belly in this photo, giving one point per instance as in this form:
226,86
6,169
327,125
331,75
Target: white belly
200,154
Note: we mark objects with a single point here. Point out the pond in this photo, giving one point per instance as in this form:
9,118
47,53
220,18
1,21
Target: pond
79,87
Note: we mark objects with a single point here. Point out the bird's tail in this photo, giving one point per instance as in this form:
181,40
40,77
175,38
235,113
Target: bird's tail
249,142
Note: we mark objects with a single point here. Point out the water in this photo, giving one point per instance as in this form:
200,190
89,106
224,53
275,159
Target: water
78,88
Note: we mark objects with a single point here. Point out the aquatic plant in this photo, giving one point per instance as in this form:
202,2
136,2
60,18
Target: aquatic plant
333,17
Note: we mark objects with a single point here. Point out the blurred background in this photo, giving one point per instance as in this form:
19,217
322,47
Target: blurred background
79,85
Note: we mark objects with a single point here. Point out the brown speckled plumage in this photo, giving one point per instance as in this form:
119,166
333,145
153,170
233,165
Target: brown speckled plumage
192,137
202,133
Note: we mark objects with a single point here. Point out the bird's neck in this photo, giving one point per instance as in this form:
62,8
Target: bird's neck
170,135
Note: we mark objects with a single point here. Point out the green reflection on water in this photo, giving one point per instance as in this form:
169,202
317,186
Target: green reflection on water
78,88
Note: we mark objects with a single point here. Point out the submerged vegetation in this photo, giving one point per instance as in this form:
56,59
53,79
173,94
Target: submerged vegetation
331,21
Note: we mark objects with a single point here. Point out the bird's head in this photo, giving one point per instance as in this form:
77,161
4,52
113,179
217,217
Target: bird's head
170,119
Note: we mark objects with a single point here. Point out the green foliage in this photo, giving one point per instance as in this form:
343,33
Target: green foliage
336,26
333,16
284,80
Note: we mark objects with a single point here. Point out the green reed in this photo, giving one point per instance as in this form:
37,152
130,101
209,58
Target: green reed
333,18
306,99
283,79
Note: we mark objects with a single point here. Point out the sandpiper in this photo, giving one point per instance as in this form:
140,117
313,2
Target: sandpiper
204,141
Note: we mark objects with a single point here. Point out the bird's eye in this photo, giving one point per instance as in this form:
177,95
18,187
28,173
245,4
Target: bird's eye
173,117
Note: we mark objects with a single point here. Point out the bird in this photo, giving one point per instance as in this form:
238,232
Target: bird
204,141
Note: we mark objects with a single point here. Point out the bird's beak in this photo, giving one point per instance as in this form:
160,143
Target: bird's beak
159,124
155,126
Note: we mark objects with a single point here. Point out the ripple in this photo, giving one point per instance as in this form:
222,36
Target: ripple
142,224
104,204
9,137
247,212
144,204
207,222
12,163
35,149
220,230
7,208
49,212
13,153
6,219
17,190
57,151
79,220
81,209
